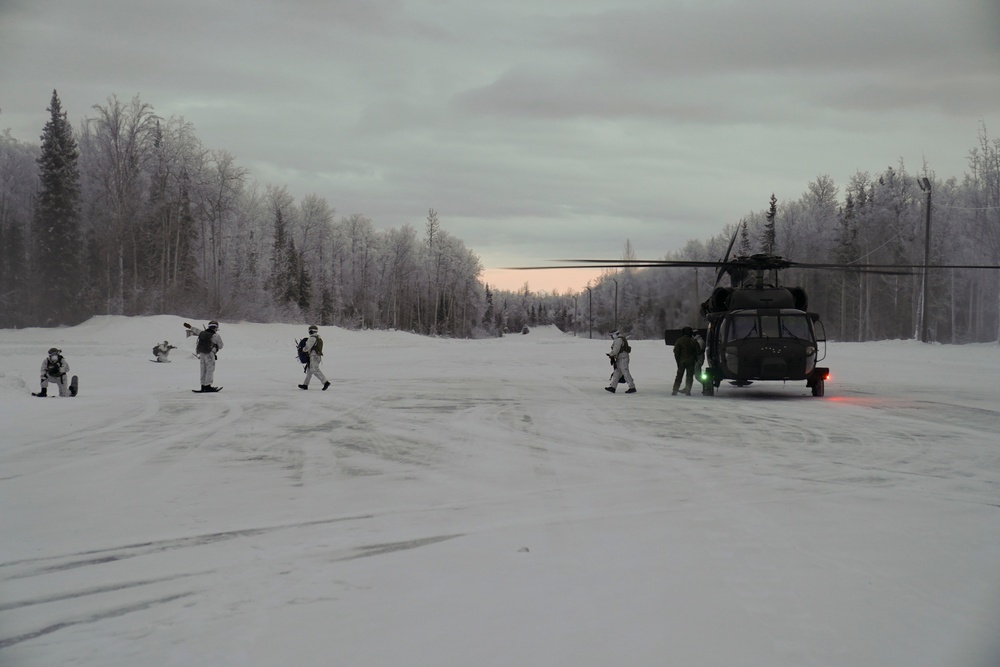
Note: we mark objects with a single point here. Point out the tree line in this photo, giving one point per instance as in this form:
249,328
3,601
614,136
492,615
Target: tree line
129,214
880,218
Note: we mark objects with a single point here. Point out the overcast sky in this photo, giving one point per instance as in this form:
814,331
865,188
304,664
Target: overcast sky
536,130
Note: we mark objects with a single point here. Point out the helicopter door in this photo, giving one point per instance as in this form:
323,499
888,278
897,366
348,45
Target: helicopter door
739,328
820,331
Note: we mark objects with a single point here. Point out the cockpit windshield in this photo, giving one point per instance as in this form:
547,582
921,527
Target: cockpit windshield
743,326
782,325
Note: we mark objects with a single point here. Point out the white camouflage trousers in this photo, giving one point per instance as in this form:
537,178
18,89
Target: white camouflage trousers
60,380
621,369
313,369
207,367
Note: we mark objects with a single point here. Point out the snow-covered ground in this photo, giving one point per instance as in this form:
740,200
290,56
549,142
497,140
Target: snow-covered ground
487,503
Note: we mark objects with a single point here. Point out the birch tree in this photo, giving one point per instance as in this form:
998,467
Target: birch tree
118,147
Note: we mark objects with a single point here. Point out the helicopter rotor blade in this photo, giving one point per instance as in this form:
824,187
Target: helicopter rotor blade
752,263
619,264
725,258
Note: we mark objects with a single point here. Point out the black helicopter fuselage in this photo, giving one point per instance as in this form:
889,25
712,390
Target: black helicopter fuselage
761,332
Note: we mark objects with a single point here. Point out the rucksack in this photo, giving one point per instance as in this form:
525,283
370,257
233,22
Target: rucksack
205,341
156,350
317,348
626,348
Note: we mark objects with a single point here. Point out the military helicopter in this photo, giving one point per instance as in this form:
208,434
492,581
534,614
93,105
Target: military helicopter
760,330
757,329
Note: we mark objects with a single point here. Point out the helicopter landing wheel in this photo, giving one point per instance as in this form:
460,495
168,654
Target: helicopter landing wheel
818,388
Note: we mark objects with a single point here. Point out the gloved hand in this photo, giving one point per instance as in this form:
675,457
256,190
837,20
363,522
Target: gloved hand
187,326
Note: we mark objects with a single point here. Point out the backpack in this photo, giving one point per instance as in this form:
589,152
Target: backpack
156,350
303,355
204,341
626,348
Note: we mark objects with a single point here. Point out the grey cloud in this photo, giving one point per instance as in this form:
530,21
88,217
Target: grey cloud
564,127
786,35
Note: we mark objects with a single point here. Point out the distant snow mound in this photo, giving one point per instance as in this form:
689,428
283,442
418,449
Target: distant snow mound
543,331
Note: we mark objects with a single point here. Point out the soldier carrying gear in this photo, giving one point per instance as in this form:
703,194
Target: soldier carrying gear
686,353
619,356
209,344
162,350
55,369
313,346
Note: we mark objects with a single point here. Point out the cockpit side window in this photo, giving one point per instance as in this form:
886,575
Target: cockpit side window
795,326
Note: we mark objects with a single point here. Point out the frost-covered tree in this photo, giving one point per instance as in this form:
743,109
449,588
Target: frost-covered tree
18,187
770,246
56,224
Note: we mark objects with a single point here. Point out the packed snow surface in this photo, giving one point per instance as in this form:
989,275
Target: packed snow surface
486,503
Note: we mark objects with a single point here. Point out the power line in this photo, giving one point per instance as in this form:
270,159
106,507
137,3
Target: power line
968,208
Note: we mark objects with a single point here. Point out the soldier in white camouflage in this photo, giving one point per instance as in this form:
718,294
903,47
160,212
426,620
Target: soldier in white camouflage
314,348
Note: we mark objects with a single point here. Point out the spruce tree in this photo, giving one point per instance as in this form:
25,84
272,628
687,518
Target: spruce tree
305,286
56,228
769,233
489,315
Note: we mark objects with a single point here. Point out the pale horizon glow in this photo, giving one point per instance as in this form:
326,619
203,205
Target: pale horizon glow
574,281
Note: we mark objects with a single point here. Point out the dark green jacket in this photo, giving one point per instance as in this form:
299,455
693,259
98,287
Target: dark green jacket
686,351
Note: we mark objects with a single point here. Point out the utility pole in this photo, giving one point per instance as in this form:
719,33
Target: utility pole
925,185
616,302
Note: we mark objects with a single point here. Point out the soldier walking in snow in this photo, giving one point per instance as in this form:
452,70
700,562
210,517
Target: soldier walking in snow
619,356
209,344
313,347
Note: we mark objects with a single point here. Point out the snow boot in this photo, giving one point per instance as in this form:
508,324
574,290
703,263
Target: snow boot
326,385
303,386
611,389
630,390
42,393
